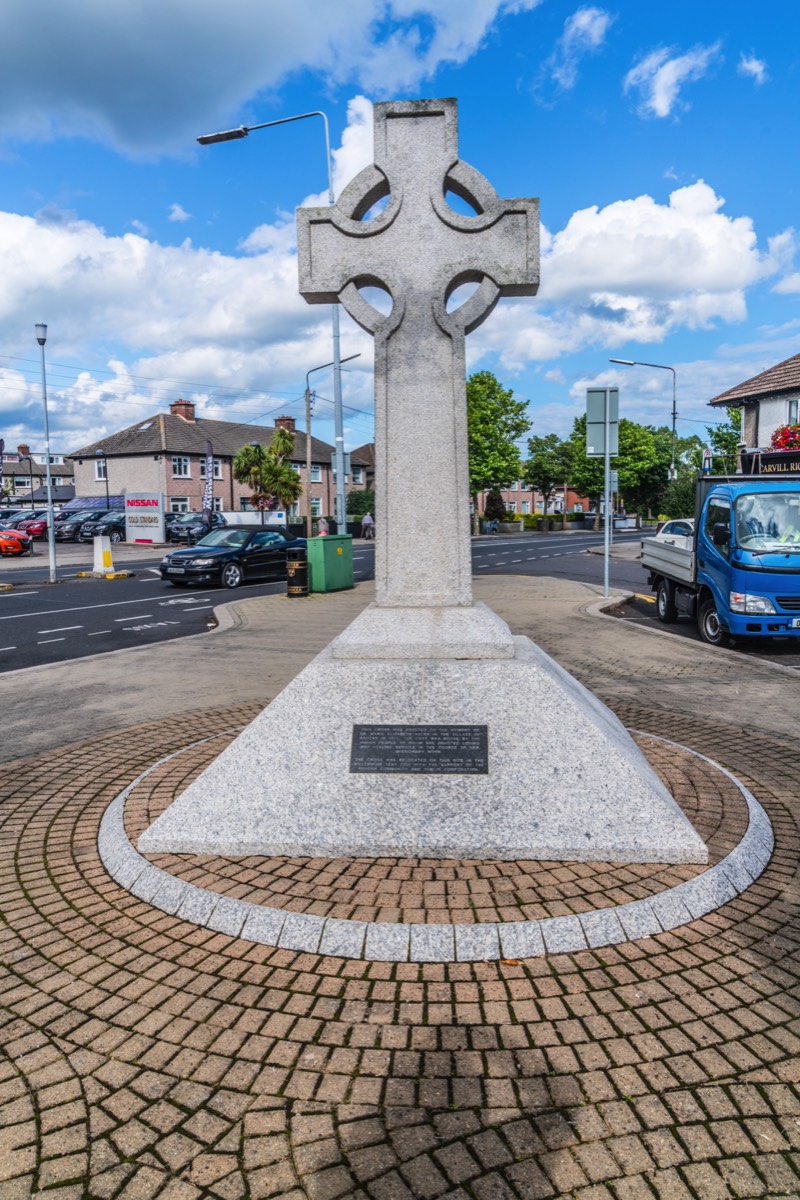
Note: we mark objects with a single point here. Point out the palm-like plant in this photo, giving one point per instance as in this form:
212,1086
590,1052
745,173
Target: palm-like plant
268,472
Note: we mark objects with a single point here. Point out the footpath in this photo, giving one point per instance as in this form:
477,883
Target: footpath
144,1056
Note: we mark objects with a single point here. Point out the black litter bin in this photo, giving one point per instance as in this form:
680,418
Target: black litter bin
296,572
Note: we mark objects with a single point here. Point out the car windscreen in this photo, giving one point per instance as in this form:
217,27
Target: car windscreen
230,538
768,521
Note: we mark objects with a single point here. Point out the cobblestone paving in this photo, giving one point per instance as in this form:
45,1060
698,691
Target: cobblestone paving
144,1057
433,890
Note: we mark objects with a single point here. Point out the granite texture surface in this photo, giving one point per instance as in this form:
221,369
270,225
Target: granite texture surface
386,941
578,789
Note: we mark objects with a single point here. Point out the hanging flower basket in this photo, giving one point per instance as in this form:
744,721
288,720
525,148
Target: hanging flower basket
786,437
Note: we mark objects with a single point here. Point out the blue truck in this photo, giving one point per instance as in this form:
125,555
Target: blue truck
740,578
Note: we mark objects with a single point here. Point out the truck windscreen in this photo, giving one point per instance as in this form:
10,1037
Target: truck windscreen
768,521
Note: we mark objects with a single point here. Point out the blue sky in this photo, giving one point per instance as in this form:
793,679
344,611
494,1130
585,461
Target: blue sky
661,140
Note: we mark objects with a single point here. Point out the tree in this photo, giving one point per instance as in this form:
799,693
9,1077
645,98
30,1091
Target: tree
269,473
495,423
495,509
637,457
548,467
724,440
361,502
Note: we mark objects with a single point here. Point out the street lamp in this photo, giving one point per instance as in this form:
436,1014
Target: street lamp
308,443
41,337
101,458
232,135
626,362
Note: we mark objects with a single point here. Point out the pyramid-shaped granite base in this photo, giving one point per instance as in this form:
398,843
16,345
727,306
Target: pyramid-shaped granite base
565,780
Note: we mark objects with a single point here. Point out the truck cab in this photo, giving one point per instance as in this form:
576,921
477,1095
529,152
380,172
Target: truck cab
742,576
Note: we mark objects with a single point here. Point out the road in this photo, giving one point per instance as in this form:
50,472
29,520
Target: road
44,624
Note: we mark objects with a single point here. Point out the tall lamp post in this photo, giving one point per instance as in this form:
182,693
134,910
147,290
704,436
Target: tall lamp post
41,337
308,443
101,458
626,362
231,135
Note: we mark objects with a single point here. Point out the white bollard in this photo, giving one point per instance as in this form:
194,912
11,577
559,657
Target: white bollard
103,562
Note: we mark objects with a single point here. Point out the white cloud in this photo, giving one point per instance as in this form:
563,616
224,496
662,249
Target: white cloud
584,33
658,78
753,68
788,285
178,213
145,76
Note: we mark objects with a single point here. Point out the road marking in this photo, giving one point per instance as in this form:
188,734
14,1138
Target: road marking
201,607
138,617
2,648
47,641
516,560
48,612
98,632
139,628
20,593
61,629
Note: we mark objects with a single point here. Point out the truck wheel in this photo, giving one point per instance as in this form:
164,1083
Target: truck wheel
666,611
708,624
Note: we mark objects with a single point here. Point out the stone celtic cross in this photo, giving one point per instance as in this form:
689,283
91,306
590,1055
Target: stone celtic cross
419,249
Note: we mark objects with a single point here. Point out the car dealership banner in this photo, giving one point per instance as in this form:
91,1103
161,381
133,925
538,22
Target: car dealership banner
144,517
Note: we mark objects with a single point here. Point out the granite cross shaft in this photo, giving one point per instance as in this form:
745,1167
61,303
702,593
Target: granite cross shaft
419,250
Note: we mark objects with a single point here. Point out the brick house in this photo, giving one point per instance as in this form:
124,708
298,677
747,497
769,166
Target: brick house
768,401
521,499
167,453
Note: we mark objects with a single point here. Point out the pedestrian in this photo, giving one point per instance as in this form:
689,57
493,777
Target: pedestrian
322,527
367,526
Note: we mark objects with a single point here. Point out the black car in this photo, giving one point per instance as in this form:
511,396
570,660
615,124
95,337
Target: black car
68,529
111,525
231,556
190,527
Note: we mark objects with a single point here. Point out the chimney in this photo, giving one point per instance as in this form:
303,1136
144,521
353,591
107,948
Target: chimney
183,408
286,423
24,451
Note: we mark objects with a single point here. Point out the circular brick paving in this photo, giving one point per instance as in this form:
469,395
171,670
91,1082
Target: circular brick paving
432,910
143,1056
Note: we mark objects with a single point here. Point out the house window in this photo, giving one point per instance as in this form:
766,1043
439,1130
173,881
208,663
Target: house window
180,466
179,504
358,474
316,506
100,469
316,473
216,504
512,507
577,507
792,412
513,487
217,468
526,506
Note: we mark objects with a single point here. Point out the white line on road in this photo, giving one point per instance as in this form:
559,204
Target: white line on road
77,608
61,629
98,632
19,593
2,648
138,617
47,641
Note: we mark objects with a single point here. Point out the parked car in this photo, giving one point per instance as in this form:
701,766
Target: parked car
36,528
68,529
110,525
231,556
7,513
28,514
14,541
677,533
190,527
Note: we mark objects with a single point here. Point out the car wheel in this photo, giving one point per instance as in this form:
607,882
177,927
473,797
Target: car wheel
231,576
115,536
708,624
666,611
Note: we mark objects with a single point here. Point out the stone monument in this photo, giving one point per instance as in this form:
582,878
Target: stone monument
403,737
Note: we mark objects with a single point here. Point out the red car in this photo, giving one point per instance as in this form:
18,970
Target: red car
36,528
14,541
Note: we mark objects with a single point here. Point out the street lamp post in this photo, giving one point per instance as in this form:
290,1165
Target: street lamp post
308,443
231,135
101,458
626,362
41,337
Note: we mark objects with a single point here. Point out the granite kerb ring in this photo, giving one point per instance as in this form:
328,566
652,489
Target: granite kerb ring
383,941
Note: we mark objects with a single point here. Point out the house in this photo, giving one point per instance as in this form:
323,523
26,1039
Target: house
167,453
25,477
768,401
521,499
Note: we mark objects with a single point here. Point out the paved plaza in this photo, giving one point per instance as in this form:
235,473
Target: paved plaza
147,1056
